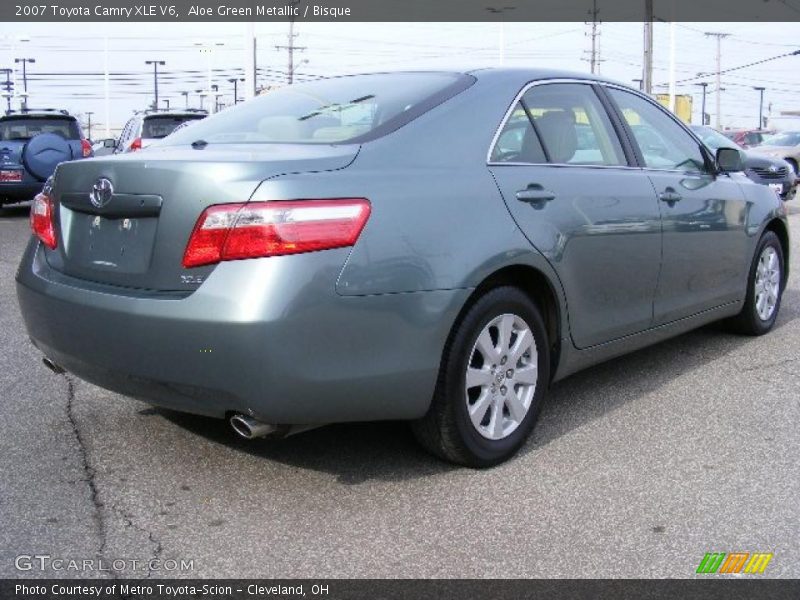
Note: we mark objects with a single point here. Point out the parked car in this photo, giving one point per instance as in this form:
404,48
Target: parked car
775,173
747,138
143,129
784,145
104,147
32,143
286,263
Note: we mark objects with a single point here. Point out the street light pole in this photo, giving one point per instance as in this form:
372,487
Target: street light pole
704,85
215,95
760,91
24,62
155,64
235,81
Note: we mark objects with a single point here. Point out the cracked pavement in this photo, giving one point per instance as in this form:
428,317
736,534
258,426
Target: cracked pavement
638,467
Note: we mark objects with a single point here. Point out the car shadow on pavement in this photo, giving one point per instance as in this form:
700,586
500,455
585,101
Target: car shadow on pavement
14,211
359,452
599,390
353,452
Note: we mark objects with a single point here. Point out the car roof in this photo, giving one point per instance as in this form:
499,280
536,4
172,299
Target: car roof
58,114
511,75
175,113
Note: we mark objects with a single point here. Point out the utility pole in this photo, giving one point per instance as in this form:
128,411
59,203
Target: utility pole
155,64
290,46
647,73
720,37
760,91
594,61
704,85
89,124
249,90
106,88
24,62
7,86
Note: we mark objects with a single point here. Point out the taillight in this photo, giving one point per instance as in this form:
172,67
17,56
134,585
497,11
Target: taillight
86,148
42,220
136,145
259,229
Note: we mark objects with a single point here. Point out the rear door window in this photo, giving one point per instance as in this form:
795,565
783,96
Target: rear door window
24,128
573,125
518,141
160,126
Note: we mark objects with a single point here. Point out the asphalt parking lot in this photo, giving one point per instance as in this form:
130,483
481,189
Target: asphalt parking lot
638,468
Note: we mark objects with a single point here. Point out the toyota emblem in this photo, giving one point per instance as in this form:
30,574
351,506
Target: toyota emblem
102,191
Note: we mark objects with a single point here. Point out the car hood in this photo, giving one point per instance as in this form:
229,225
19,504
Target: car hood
754,160
774,149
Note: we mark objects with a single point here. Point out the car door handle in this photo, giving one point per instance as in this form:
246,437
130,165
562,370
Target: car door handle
535,194
670,196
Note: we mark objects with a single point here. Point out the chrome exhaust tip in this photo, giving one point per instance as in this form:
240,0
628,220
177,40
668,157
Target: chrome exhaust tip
53,366
250,428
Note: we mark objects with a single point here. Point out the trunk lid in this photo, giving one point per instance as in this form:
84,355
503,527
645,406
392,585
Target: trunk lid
135,236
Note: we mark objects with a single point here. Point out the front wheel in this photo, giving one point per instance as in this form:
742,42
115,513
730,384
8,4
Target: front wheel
764,288
493,378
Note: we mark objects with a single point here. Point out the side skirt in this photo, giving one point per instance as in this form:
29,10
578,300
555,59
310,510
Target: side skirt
574,360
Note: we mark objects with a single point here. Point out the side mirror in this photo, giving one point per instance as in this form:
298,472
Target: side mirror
730,160
109,143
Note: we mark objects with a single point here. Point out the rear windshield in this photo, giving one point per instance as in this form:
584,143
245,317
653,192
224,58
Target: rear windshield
24,128
160,126
328,111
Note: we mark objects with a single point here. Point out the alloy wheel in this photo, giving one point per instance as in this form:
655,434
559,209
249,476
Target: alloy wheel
501,376
767,283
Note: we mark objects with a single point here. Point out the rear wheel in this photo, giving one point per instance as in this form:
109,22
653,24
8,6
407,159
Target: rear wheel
493,377
764,288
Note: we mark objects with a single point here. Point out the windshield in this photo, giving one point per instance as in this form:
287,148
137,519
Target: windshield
714,139
160,126
328,111
789,138
24,128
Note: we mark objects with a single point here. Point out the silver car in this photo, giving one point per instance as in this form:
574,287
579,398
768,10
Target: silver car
144,128
436,247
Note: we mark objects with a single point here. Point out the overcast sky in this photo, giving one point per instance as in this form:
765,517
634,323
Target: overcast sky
70,58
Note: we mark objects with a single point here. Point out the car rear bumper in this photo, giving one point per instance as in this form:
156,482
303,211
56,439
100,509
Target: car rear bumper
266,337
19,192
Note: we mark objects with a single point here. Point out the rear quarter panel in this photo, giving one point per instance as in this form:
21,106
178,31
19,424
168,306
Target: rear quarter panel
438,221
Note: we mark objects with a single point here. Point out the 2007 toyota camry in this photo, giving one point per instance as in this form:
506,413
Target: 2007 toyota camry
434,247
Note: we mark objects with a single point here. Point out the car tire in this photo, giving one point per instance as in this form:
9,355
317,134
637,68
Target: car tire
500,342
765,284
